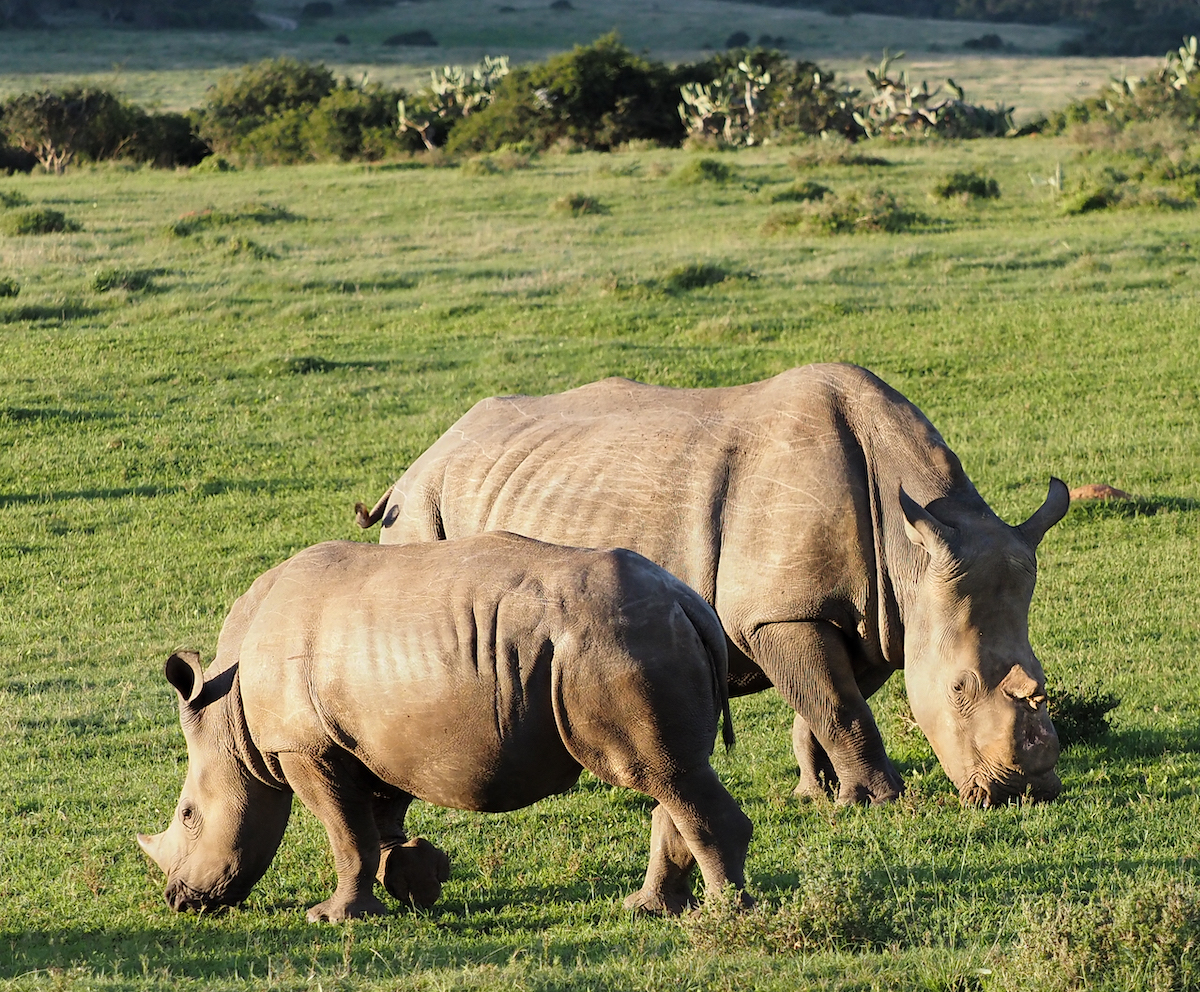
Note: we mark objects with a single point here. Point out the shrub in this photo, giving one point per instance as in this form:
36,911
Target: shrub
15,159
11,198
801,191
897,107
241,102
856,210
973,185
1171,93
697,275
1143,935
133,280
597,96
210,217
1080,713
578,204
831,910
9,287
747,97
58,126
36,221
352,123
214,163
696,171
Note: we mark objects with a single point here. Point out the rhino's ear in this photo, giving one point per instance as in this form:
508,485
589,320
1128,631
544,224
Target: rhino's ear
923,529
1058,501
184,672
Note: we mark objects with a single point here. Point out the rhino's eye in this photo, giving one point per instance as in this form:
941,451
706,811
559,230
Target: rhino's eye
964,688
187,815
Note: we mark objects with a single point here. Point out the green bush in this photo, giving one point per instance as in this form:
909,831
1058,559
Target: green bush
1145,935
11,198
831,910
829,151
36,221
351,123
597,96
59,127
214,163
697,171
578,204
208,218
1080,713
9,287
243,101
696,275
855,211
973,185
133,280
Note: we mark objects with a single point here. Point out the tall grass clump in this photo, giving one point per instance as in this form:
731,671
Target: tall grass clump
856,210
698,171
41,220
1144,935
966,185
834,909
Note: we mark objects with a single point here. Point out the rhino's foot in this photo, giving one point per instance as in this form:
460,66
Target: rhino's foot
813,788
413,872
335,910
660,902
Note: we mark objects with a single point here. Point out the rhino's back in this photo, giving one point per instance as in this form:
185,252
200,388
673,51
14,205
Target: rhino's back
433,664
733,489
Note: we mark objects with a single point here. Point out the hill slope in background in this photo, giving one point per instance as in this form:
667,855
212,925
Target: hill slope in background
1109,27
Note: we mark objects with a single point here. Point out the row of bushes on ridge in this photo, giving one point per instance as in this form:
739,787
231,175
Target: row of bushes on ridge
597,96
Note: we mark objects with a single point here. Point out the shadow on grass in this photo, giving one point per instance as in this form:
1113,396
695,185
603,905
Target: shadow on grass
25,415
217,488
365,949
42,312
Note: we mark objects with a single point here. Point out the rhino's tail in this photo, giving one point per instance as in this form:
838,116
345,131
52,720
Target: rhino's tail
369,518
712,634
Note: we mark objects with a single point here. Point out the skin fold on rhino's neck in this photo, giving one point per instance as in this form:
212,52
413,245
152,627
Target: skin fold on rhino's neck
223,690
900,448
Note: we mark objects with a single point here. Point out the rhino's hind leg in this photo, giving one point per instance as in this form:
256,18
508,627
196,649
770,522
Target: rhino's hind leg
667,888
818,780
411,870
697,822
339,797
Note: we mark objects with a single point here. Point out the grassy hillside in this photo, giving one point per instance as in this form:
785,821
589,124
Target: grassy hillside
178,411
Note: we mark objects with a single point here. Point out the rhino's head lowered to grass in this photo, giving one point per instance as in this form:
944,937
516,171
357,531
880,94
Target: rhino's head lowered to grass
975,686
227,824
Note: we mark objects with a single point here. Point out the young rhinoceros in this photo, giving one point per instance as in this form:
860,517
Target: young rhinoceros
480,674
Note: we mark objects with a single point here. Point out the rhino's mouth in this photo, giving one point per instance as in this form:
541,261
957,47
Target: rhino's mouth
182,898
1012,787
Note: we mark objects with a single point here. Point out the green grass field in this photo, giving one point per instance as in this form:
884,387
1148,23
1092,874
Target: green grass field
161,446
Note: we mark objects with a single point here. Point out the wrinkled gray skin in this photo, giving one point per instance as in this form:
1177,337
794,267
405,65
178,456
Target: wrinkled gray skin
827,522
480,674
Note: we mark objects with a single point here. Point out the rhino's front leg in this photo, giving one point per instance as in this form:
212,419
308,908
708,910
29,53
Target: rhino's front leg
336,793
810,666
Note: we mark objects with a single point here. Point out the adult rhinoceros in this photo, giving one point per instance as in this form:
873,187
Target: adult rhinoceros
824,518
